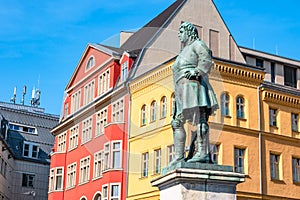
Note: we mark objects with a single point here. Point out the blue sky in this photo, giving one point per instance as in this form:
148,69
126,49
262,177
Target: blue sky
44,40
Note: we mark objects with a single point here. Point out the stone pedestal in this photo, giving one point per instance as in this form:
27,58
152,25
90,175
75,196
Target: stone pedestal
191,181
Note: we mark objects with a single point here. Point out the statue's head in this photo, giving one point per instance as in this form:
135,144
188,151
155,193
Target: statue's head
187,31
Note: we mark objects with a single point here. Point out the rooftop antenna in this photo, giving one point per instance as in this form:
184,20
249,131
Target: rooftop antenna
13,99
36,95
23,95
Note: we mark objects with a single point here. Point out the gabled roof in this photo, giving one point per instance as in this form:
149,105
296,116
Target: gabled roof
111,51
139,39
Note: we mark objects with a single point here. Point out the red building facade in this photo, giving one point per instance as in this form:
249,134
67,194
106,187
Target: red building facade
89,158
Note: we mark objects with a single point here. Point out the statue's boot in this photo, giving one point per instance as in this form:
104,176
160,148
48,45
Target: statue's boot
179,144
201,154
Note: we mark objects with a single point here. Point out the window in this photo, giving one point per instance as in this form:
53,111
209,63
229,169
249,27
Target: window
239,155
58,178
145,158
214,42
104,82
87,130
116,155
106,156
101,122
153,111
75,101
124,71
105,192
273,116
171,153
259,63
272,72
274,165
173,103
157,161
89,92
66,110
73,139
98,164
225,104
90,63
61,142
51,180
290,76
30,150
143,115
115,192
55,179
296,169
22,128
27,180
163,103
215,153
71,175
84,170
240,107
295,120
118,111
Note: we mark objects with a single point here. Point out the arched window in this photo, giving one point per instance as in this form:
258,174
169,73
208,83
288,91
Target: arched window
240,107
97,197
225,104
83,198
90,63
163,103
153,111
172,103
143,115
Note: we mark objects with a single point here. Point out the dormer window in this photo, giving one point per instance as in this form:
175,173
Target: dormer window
30,150
90,63
22,128
124,72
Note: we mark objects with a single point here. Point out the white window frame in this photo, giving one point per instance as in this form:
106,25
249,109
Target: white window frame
164,106
101,117
98,164
73,138
75,101
145,164
89,92
273,116
87,130
30,150
106,156
144,115
157,161
85,167
124,71
170,153
71,175
240,107
153,109
111,197
295,122
104,82
103,193
116,150
90,63
21,127
53,179
225,103
61,142
118,111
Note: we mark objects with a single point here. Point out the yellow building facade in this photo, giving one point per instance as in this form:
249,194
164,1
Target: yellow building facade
243,141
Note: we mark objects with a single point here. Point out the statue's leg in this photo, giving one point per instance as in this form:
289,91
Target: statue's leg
179,140
202,140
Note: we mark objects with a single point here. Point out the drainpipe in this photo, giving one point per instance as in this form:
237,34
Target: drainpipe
260,139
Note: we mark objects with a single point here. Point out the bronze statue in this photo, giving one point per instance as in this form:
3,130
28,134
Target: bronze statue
194,96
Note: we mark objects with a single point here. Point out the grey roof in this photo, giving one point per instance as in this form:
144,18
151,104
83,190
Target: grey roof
143,36
43,123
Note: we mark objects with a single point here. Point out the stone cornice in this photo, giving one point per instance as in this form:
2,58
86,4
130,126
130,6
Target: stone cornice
221,71
274,96
237,74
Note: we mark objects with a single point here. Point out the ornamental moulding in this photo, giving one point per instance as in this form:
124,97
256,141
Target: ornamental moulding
244,75
282,99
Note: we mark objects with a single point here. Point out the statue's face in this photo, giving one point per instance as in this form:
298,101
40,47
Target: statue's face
182,35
